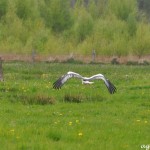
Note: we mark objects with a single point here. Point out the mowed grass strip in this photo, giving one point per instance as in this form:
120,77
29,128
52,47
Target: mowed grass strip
35,116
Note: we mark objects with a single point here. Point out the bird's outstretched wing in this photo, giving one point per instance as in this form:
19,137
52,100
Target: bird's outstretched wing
111,88
60,82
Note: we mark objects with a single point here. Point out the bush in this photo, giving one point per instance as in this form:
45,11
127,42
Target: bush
37,99
73,98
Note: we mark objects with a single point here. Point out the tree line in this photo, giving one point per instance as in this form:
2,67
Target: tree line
110,27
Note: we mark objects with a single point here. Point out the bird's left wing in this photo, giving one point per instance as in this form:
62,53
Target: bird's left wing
111,88
60,82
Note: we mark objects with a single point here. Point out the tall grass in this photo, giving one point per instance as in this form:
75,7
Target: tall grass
99,121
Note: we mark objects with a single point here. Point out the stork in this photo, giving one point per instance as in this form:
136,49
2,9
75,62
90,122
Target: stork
85,80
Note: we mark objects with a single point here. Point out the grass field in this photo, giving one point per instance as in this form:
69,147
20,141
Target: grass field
34,116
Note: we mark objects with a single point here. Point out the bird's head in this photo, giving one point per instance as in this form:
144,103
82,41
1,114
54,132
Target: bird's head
86,82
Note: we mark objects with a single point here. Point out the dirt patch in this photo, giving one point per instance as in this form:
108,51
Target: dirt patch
84,59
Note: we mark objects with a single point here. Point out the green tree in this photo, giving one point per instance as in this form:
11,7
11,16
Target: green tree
3,7
57,15
84,25
132,24
122,8
23,9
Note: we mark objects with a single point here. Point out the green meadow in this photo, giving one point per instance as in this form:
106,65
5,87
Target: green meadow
34,116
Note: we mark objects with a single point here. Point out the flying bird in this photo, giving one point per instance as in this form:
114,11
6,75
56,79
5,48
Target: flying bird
85,80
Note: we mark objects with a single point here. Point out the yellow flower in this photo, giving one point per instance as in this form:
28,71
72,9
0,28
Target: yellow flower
77,121
145,121
12,130
70,123
80,134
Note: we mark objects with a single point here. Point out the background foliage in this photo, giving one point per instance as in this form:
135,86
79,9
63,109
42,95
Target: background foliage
111,27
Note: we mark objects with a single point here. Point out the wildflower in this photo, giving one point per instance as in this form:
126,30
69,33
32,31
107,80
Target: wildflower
138,120
145,121
80,134
70,123
77,121
12,130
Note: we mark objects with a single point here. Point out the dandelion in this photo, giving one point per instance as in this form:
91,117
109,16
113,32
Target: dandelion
80,134
138,120
77,121
70,123
12,130
145,121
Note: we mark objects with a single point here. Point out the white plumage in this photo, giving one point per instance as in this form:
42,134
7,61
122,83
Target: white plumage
85,80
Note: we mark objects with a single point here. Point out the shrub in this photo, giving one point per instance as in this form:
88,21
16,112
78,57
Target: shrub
73,98
37,99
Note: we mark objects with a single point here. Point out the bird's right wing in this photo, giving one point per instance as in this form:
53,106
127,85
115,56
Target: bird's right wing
60,82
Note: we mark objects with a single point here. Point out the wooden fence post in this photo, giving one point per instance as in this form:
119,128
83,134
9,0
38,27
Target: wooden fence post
93,55
1,70
33,55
